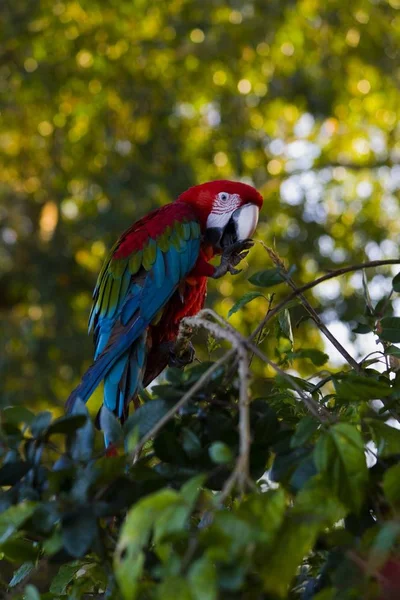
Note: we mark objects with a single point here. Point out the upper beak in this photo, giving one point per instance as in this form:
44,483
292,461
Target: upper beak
241,225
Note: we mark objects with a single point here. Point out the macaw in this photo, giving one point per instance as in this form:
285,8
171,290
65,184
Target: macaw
155,275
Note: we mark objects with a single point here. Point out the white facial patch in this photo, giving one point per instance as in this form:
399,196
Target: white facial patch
218,220
224,205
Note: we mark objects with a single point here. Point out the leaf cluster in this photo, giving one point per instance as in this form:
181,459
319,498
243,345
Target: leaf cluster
321,520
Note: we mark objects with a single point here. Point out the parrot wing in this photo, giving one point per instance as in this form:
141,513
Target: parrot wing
141,274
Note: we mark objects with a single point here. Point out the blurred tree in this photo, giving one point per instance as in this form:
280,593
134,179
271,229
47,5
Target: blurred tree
109,109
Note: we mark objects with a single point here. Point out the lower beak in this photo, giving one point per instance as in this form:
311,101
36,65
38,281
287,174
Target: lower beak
241,225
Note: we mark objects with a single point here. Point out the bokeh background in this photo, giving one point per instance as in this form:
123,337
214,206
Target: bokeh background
109,109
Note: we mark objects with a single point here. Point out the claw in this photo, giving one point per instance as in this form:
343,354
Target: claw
235,259
238,247
181,358
234,271
231,257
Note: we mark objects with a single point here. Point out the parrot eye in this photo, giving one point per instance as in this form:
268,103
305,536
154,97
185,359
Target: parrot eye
223,196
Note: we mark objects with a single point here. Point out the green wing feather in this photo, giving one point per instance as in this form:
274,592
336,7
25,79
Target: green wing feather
116,274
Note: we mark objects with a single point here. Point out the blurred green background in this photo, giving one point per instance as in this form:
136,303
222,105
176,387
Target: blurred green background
109,109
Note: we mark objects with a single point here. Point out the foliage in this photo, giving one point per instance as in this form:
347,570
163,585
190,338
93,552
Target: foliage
293,509
108,110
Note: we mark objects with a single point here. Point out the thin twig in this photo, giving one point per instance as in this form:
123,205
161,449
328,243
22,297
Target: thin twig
270,301
314,408
223,330
318,411
321,383
185,398
322,327
311,311
308,286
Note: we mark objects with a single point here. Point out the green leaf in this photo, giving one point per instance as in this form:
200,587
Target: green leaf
174,518
285,325
390,329
79,529
174,588
67,424
65,575
18,549
270,277
129,557
168,526
243,301
14,517
191,443
18,414
317,357
53,544
314,510
40,423
339,456
393,351
267,278
21,573
12,472
81,440
31,593
203,579
296,539
305,429
292,382
220,453
316,502
228,535
266,512
386,438
383,544
146,416
354,387
212,343
191,489
396,283
362,328
391,485
110,425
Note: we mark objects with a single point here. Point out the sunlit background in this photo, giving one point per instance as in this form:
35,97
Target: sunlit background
109,109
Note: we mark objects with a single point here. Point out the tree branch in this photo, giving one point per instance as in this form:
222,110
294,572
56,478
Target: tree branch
242,346
313,314
308,286
185,398
223,330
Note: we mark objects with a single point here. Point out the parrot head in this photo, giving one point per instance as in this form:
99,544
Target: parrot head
227,210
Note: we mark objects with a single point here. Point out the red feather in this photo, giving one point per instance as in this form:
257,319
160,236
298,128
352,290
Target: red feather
202,196
135,237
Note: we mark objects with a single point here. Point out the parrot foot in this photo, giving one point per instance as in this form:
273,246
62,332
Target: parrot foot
180,356
231,257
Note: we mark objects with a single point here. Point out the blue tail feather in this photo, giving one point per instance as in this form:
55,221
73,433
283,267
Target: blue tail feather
105,362
131,381
111,382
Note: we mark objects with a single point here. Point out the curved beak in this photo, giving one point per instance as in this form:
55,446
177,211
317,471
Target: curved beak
241,225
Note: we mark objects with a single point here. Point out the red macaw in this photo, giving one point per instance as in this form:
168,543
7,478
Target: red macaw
155,275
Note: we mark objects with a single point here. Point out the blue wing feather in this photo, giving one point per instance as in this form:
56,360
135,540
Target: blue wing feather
132,304
173,265
111,382
158,269
121,361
